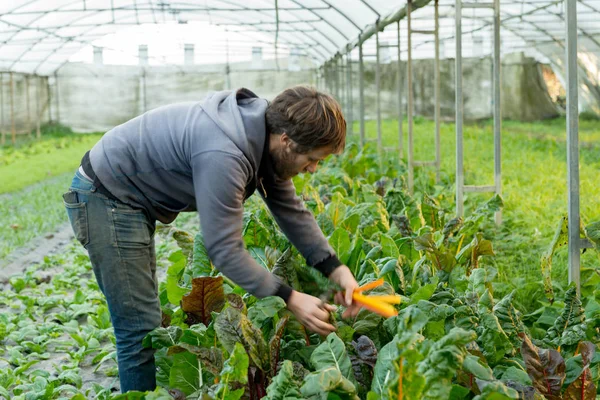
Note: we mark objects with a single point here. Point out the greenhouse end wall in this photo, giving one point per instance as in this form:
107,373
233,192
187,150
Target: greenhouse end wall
90,97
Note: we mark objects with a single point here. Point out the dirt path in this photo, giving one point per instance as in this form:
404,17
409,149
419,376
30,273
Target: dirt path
35,251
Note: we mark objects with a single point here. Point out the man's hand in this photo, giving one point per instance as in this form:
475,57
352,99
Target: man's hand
343,277
311,312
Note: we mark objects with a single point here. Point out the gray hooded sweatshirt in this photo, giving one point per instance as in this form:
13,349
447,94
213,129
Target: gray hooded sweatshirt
208,157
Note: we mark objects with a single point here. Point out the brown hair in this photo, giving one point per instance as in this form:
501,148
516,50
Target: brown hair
312,119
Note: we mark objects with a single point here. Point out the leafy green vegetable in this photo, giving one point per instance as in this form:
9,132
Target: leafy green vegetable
207,296
332,353
546,368
284,386
570,327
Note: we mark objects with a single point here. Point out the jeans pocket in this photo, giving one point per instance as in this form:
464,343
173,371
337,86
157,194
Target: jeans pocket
133,229
77,213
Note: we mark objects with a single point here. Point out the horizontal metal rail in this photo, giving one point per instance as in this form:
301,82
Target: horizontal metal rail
479,189
424,163
478,5
423,31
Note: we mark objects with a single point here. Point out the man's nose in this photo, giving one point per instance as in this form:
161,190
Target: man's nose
312,168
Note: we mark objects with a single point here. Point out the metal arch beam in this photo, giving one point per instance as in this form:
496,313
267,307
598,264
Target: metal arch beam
342,14
65,40
584,3
305,45
327,22
490,24
371,8
380,24
171,10
20,6
583,31
49,33
299,31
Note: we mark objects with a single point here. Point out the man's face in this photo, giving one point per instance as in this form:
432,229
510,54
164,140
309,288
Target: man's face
288,163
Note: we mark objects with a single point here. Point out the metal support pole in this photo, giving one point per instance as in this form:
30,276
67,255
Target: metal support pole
38,132
49,100
438,155
572,141
361,94
3,140
330,85
400,87
28,108
336,68
143,91
344,80
459,111
378,89
13,129
332,76
350,119
57,98
497,109
409,111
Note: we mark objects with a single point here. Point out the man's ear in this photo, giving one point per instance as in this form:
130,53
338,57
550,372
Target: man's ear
285,141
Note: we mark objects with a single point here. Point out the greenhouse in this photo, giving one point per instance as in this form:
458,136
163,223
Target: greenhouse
426,217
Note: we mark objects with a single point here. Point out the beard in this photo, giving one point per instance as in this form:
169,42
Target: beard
283,164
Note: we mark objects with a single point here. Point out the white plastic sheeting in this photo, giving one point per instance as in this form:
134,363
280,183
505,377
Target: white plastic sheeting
39,36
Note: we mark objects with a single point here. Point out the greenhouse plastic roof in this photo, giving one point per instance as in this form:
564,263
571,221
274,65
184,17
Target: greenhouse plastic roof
39,36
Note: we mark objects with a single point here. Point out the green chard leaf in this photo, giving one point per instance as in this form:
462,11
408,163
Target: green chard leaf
233,377
186,372
510,319
328,382
284,386
163,337
234,327
265,309
570,327
561,239
332,353
442,361
275,343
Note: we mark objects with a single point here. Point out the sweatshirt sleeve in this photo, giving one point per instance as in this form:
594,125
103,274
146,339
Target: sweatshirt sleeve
299,225
219,184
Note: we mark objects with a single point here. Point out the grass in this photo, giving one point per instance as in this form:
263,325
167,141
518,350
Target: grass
32,212
31,161
33,175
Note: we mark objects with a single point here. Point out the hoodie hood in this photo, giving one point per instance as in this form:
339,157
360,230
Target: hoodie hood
241,116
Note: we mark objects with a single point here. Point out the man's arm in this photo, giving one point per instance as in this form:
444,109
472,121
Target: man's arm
219,183
299,225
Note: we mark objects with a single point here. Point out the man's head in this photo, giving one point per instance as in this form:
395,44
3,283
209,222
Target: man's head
305,127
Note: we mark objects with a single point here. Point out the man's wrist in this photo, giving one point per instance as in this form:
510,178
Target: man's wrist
284,291
328,265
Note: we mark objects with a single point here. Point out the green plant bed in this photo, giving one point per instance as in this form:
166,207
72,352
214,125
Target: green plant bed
32,212
534,180
457,334
32,160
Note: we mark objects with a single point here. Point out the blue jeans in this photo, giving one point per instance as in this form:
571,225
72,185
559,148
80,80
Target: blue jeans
120,242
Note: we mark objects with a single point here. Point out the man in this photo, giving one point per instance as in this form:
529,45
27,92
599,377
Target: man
209,157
